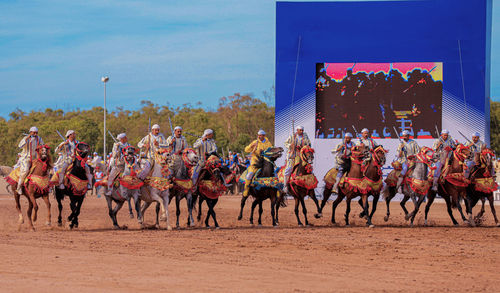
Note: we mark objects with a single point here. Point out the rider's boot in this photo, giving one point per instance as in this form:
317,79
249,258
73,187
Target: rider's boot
246,189
335,188
20,183
435,184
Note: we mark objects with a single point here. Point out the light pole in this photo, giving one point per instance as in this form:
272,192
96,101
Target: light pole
104,79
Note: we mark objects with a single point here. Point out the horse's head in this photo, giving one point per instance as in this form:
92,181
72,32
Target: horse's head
272,153
82,150
462,152
378,154
307,154
43,152
129,154
162,156
190,157
358,152
486,158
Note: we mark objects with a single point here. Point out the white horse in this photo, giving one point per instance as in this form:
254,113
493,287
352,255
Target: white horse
157,189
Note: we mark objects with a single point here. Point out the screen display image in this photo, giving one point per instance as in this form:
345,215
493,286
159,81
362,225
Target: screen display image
384,97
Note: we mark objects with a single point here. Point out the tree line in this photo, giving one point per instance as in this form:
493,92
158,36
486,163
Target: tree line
235,123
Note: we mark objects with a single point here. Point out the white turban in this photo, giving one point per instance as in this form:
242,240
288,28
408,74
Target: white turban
69,132
365,130
476,134
406,132
348,134
177,127
444,131
156,126
207,132
121,135
261,132
33,129
299,127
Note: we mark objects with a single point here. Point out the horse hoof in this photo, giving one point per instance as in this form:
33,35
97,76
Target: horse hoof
407,217
217,228
131,216
124,227
116,227
498,224
48,224
239,218
361,215
386,218
348,225
169,228
300,225
371,226
259,225
318,215
59,224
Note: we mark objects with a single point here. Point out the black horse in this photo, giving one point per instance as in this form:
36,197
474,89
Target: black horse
75,184
267,167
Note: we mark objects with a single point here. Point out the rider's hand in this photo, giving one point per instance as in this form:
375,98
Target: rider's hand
204,138
156,143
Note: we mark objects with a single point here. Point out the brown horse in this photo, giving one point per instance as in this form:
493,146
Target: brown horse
36,186
483,184
452,182
373,177
302,182
353,185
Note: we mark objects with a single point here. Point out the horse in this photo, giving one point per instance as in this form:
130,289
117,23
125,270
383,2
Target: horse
128,187
76,185
373,177
303,182
210,187
183,185
482,185
353,184
265,185
232,177
157,188
418,181
452,182
36,185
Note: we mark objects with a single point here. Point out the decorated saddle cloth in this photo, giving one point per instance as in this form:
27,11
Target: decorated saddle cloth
486,185
55,177
457,179
307,181
159,183
78,186
185,185
211,189
419,186
13,177
130,182
374,186
330,178
40,183
262,182
359,185
104,182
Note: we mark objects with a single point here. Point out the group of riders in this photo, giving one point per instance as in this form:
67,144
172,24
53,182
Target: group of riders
205,146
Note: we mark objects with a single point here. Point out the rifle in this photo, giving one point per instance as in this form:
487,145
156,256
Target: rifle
464,137
194,135
114,139
60,135
355,131
171,130
437,131
400,141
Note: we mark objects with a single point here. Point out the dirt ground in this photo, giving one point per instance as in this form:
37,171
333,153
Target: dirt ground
242,258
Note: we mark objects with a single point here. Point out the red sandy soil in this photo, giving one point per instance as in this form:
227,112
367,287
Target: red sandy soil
244,258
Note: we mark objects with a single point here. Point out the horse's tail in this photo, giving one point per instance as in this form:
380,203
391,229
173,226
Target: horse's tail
194,197
281,199
385,192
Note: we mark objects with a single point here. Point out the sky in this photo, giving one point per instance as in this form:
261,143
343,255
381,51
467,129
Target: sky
54,52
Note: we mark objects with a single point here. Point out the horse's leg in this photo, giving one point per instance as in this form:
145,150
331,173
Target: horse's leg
296,210
388,202
347,210
209,212
59,207
79,203
304,210
406,197
459,207
47,204
145,206
130,208
137,203
273,204
200,201
157,210
242,205
492,207
316,202
189,202
31,198
450,212
417,207
111,214
361,204
254,204
366,209
335,204
277,208
260,212
29,214
374,204
430,199
214,216
177,209
326,195
72,207
118,206
17,197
